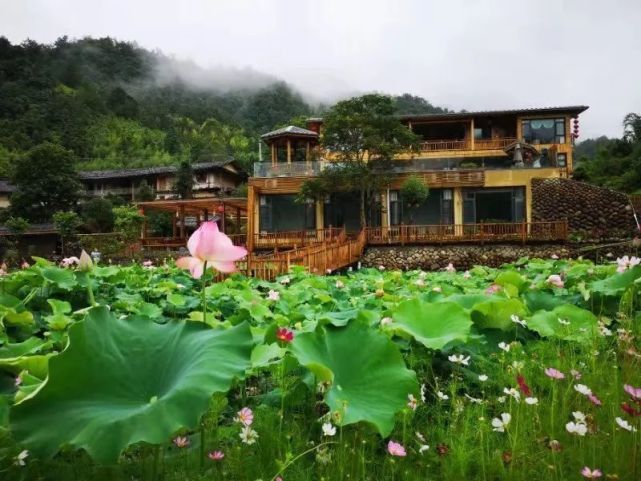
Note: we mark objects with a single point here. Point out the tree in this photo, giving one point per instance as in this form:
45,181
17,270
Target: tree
144,192
128,222
67,224
17,227
98,215
184,182
363,135
46,182
414,192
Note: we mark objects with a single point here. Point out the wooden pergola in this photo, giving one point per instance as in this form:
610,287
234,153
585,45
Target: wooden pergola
218,209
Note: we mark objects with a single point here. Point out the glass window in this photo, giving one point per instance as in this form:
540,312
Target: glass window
561,160
280,213
544,131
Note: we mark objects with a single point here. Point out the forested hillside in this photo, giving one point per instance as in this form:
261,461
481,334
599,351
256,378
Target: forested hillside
115,104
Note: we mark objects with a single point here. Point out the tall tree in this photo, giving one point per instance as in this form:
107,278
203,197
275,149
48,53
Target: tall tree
184,182
46,182
363,135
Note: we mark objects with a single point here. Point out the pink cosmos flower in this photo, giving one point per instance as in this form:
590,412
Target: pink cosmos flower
181,441
493,289
634,392
575,374
216,455
591,473
24,265
594,400
245,416
147,263
284,334
553,373
556,281
396,449
209,245
625,262
273,295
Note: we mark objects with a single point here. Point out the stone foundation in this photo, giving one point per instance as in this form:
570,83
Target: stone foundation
433,258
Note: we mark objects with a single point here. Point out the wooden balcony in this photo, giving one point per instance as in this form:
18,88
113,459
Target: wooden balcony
454,233
454,145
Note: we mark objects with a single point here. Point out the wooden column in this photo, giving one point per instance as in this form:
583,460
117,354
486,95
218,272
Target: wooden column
308,153
182,222
289,151
222,218
472,134
458,205
173,225
251,222
143,232
273,149
238,220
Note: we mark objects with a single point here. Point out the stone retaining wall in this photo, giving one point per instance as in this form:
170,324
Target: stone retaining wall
596,212
463,257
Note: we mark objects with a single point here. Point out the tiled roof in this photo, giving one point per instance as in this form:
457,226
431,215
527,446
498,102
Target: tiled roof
146,171
6,187
291,130
33,229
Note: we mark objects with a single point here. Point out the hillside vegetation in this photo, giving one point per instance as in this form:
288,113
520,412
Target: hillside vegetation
116,105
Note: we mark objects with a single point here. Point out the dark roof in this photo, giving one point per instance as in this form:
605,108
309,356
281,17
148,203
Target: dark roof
146,171
5,186
290,130
573,109
33,229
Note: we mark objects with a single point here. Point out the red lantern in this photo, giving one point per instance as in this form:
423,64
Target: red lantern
220,209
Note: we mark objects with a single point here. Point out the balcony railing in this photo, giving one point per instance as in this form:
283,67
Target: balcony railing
293,169
484,232
480,144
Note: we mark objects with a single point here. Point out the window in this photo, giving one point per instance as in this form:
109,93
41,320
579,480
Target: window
280,213
562,160
544,131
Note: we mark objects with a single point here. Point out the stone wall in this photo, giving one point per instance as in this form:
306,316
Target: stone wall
433,258
597,212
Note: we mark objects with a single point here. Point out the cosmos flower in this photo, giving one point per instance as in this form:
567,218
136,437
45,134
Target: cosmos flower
467,275
580,429
396,449
625,262
553,373
450,268
582,389
245,416
412,402
459,359
499,424
505,347
285,280
441,396
531,401
328,429
181,441
285,335
591,473
20,459
634,392
248,435
483,377
525,389
516,320
216,455
339,284
273,295
625,424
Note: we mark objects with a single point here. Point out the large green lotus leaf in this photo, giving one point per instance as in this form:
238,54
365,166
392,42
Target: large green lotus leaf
433,324
582,325
496,313
63,278
511,278
616,283
126,381
369,379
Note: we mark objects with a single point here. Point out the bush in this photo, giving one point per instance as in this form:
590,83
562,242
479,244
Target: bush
98,215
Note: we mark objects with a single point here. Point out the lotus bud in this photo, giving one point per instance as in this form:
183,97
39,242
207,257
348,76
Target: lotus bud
380,292
85,264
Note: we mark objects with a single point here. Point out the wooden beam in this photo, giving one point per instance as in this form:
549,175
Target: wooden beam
289,151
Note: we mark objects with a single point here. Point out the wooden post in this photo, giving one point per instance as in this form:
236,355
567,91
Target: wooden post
143,232
472,134
183,232
238,220
173,225
289,151
274,156
523,231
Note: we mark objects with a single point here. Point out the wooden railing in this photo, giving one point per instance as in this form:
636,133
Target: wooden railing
490,232
298,238
333,254
466,144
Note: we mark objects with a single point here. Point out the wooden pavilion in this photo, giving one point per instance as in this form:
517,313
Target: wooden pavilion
230,213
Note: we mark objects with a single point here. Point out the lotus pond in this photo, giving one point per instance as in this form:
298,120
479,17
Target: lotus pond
531,371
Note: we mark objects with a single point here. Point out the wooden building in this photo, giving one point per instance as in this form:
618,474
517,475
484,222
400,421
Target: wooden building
478,166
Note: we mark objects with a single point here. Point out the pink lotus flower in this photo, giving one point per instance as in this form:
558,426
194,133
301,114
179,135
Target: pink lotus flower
625,262
556,281
273,295
181,441
591,473
553,373
216,455
210,246
493,289
245,417
396,449
148,263
450,268
24,265
634,392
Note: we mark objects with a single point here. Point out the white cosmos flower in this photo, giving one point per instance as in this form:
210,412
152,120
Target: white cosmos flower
505,347
531,401
499,425
20,459
441,396
328,429
248,435
625,424
512,392
579,417
501,399
385,321
473,400
482,377
339,284
423,448
459,359
419,282
583,389
412,402
517,320
579,429
423,392
563,322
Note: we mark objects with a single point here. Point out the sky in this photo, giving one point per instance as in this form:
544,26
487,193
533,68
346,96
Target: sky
461,54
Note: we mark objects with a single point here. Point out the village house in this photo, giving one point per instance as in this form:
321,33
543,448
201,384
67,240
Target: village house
479,167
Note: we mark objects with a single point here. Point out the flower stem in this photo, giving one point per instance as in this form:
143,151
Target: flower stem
202,444
204,294
287,465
